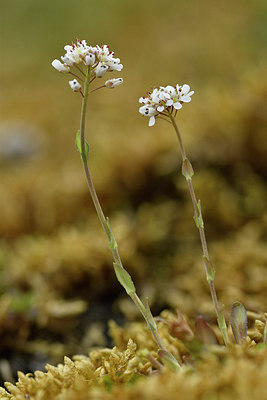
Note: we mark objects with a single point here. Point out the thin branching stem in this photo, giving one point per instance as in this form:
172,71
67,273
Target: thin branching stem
99,87
76,76
210,272
79,69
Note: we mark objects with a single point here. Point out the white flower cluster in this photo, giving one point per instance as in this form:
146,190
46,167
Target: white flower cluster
100,59
163,100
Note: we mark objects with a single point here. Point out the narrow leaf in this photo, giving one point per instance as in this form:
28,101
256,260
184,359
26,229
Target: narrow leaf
112,242
200,219
169,360
222,325
79,145
204,332
124,278
238,321
187,169
210,271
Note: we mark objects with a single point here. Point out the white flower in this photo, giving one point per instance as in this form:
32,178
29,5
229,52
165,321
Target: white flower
114,65
184,93
100,70
75,86
76,52
111,83
164,100
105,56
60,67
149,112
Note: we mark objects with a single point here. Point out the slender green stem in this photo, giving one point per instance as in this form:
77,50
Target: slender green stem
104,221
210,272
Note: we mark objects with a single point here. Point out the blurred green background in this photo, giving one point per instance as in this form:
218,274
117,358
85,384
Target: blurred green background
57,285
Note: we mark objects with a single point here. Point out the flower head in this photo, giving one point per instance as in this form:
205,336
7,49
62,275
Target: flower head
164,100
79,54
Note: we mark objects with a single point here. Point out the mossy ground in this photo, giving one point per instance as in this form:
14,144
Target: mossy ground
57,287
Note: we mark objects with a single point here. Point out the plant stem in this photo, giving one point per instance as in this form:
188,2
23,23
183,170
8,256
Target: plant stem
210,272
104,221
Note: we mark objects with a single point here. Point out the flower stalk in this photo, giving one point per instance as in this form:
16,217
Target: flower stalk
164,102
188,172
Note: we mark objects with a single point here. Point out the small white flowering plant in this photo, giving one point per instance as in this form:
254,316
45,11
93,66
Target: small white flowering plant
87,63
164,102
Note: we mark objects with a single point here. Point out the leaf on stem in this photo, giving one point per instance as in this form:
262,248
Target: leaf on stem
79,145
124,278
210,271
238,321
187,169
204,333
198,218
112,242
169,360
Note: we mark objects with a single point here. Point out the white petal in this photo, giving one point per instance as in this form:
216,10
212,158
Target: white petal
151,121
143,100
143,110
169,103
177,106
160,108
185,99
185,89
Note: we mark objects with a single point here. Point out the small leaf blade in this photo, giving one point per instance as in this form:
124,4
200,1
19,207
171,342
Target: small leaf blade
79,145
238,321
124,278
204,333
169,360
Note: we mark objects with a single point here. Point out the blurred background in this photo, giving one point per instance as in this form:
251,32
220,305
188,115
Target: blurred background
57,286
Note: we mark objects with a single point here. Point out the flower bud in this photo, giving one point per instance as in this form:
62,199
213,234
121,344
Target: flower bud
111,83
75,86
89,59
100,70
67,60
59,66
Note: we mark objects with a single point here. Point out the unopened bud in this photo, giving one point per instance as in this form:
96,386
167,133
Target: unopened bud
100,70
75,86
67,60
59,66
111,83
90,59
